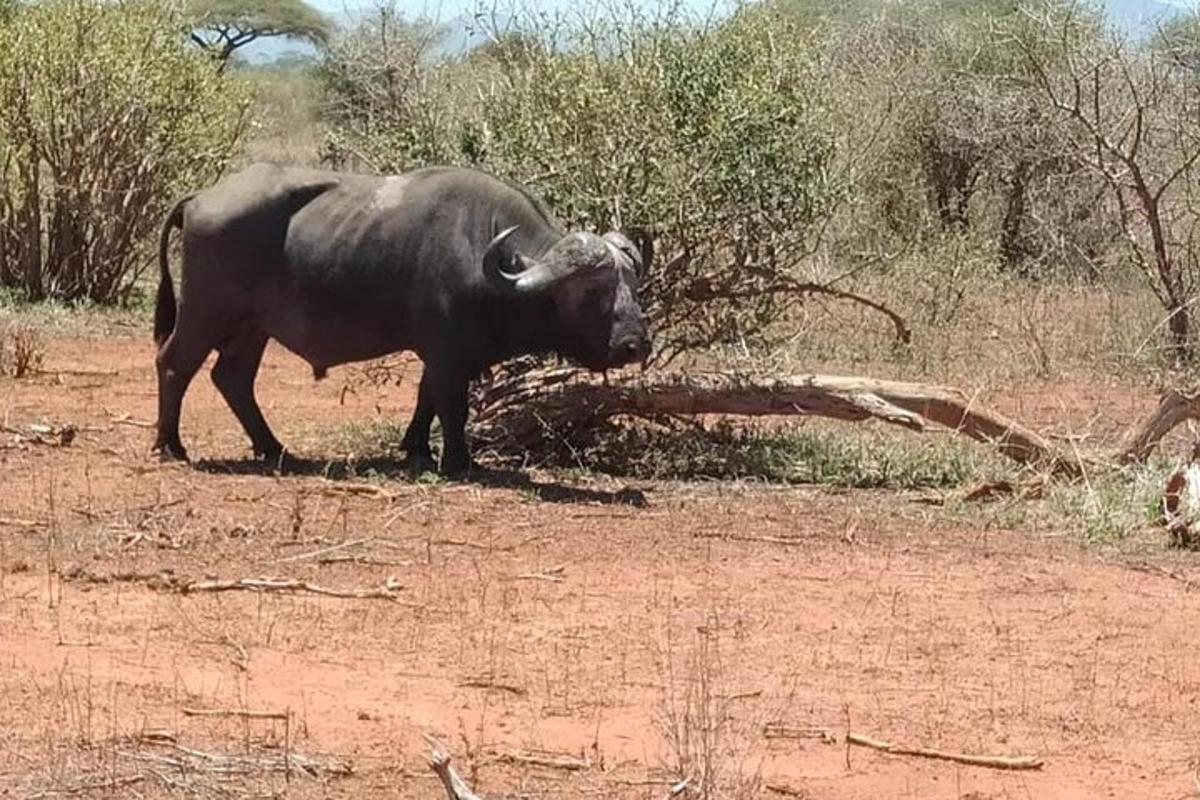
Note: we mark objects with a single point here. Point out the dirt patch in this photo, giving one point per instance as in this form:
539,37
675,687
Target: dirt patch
596,620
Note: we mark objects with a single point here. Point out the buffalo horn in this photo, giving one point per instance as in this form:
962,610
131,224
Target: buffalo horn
537,275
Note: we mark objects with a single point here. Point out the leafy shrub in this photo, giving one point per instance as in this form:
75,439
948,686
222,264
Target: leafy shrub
105,115
715,137
22,351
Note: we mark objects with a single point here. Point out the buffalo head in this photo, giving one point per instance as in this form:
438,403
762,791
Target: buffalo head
594,281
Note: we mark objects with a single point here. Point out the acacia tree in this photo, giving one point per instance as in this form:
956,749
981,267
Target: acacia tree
222,26
105,118
1129,115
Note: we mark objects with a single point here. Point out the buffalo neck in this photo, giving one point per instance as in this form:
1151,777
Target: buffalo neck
523,326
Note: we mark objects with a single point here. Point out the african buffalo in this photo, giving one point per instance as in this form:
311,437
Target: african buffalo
461,267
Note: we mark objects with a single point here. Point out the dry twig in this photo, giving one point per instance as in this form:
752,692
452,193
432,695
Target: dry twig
106,785
992,762
385,592
552,575
167,582
780,730
233,712
484,682
548,760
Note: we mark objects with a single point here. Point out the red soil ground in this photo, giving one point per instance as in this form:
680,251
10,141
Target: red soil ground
579,617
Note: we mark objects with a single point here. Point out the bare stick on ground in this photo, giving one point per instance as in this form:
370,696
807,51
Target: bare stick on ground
992,762
385,592
233,712
548,760
439,761
167,582
106,785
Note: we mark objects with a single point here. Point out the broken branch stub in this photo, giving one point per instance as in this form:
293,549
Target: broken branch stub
439,761
1174,409
523,406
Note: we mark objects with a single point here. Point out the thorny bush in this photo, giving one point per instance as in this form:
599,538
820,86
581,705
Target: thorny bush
105,114
717,137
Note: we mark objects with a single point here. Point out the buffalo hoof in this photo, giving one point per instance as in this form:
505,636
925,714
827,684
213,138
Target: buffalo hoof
420,463
272,455
169,453
459,470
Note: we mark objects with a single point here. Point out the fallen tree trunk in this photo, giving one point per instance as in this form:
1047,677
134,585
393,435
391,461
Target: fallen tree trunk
523,407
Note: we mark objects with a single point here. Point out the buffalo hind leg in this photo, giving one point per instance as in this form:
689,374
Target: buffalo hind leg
416,437
177,362
234,374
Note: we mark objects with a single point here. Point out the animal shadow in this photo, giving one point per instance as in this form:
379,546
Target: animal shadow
407,471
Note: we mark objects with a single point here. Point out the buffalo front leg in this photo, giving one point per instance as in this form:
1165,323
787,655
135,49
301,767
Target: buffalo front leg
177,362
416,437
234,374
450,395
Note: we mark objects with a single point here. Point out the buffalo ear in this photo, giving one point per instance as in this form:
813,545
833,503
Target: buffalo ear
644,241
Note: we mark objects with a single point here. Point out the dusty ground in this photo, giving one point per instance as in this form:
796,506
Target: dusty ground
628,625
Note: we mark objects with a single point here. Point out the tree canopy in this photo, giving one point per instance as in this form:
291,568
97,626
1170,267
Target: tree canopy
222,26
1179,38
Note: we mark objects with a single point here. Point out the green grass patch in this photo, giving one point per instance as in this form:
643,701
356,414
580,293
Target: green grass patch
1111,505
815,454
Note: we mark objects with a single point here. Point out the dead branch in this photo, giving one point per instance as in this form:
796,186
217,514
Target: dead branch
552,575
371,561
726,536
678,789
903,334
781,730
108,784
992,762
11,522
334,488
166,581
474,545
523,410
1153,569
987,491
233,712
439,761
324,551
1174,409
548,760
484,682
186,759
385,592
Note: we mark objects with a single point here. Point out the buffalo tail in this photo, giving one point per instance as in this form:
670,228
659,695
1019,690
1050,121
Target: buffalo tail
164,307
